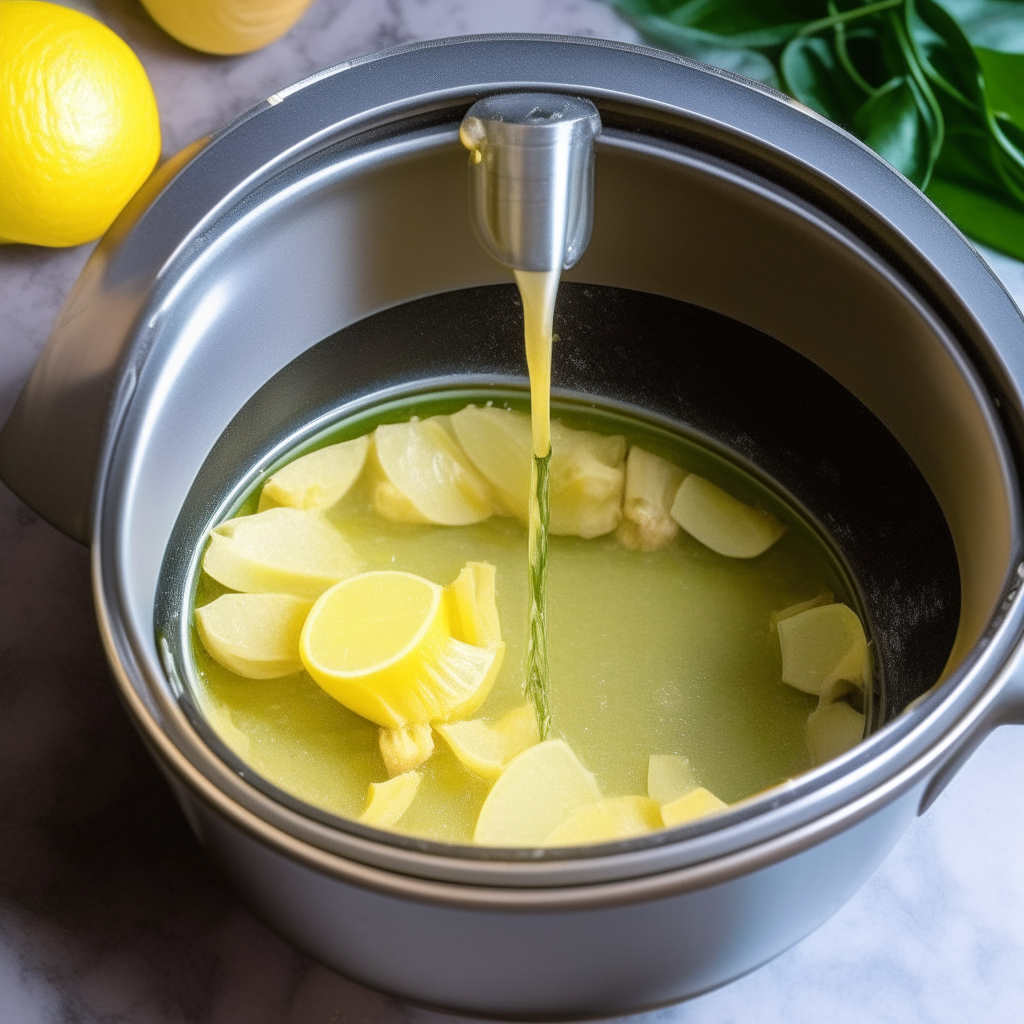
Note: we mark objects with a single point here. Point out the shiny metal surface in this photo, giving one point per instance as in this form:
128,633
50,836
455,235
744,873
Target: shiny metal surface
345,196
531,177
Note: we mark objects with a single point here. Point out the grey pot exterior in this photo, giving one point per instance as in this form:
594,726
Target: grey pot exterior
345,195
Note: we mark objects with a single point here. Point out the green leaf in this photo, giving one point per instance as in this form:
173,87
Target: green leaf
1004,82
986,219
992,24
813,73
891,123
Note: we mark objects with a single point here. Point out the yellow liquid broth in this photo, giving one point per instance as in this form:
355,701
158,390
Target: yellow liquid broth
666,652
538,291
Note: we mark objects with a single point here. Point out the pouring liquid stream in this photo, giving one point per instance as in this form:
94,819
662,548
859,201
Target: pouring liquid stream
538,290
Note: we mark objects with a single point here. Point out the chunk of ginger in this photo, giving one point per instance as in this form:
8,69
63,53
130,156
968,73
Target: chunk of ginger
697,803
383,644
721,522
317,480
254,635
279,551
425,477
832,730
539,790
620,817
669,777
386,802
487,749
587,472
405,748
822,648
651,487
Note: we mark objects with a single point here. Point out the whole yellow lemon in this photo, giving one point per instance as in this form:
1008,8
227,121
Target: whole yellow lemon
225,26
79,128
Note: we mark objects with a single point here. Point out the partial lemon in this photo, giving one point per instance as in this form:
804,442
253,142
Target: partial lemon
79,127
620,817
381,643
226,26
539,790
254,635
405,748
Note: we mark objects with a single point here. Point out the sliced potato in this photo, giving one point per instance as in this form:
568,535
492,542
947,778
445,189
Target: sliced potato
620,817
697,803
587,471
486,749
279,551
500,445
651,487
406,747
540,789
386,802
821,647
426,475
669,777
825,597
832,730
317,480
254,635
721,522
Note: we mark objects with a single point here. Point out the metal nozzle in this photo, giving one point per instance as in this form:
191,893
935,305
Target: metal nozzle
531,177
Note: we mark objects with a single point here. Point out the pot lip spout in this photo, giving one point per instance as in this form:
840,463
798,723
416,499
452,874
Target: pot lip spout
152,240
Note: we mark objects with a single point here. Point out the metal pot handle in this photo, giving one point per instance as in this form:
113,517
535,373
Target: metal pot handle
1007,708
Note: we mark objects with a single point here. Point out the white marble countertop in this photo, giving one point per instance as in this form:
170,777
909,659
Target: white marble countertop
108,910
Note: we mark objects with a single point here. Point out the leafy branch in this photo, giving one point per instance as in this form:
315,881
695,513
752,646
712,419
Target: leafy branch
936,87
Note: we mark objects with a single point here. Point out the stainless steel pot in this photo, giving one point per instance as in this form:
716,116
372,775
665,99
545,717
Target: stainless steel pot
345,195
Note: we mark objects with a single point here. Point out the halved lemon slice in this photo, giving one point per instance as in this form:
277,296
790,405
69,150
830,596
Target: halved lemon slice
620,817
381,644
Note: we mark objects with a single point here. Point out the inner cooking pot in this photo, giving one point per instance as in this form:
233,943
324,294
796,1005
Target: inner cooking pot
756,278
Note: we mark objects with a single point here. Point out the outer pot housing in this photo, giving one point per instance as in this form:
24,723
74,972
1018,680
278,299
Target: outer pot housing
345,195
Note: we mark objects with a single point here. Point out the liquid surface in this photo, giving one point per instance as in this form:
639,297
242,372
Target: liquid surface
664,652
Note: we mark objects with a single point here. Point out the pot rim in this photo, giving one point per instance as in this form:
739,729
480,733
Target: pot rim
789,817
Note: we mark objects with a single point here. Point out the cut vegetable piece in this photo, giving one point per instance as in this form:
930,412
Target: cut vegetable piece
695,804
386,802
280,551
422,462
500,446
721,522
832,730
588,476
825,597
620,817
651,487
540,789
587,472
669,777
317,480
821,646
486,749
473,611
405,748
380,643
254,635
